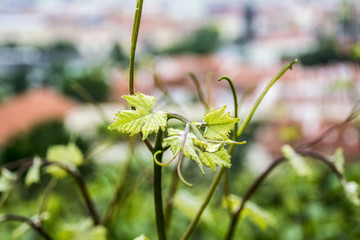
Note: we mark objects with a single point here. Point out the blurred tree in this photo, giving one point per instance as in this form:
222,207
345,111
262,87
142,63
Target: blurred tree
205,40
325,52
36,141
92,82
117,55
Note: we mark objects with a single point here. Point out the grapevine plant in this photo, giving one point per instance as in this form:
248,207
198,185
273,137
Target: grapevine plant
210,143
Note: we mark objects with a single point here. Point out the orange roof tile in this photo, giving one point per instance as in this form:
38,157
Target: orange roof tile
22,112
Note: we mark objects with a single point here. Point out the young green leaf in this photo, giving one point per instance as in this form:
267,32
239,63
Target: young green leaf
296,161
210,159
33,175
6,179
219,124
339,160
68,155
351,190
143,119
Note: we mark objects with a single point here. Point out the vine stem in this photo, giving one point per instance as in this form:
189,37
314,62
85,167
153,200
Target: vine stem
134,38
159,214
216,181
251,190
38,228
75,174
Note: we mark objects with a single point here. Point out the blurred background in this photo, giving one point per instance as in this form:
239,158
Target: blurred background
64,67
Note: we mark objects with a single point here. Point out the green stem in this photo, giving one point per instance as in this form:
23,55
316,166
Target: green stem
235,102
134,38
199,91
216,181
260,98
160,221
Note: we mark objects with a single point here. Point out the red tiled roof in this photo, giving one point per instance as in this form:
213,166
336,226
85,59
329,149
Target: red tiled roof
22,112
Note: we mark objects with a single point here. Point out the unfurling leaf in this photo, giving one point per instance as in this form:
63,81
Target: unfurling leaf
219,124
174,140
256,214
6,179
68,155
351,190
143,119
33,175
197,150
296,161
339,160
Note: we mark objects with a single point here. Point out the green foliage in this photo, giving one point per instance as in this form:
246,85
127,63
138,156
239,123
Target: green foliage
92,81
326,51
118,56
33,174
36,141
143,119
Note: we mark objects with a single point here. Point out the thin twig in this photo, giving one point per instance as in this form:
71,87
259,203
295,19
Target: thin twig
75,174
37,227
